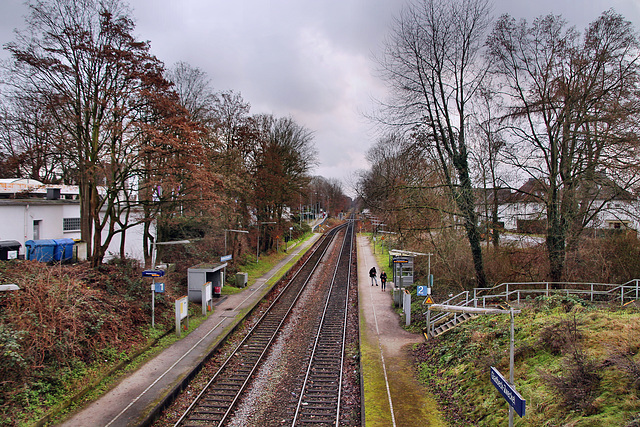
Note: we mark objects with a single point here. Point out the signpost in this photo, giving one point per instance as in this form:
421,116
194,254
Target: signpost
506,388
424,291
182,311
508,392
154,288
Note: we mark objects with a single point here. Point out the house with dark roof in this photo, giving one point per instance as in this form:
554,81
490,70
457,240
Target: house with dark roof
607,205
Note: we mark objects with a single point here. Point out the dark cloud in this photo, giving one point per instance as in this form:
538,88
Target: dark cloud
311,60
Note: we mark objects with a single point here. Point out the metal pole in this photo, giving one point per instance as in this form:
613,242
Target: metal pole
511,365
429,322
153,303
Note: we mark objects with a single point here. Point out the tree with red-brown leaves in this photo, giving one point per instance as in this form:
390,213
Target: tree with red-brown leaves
107,94
280,163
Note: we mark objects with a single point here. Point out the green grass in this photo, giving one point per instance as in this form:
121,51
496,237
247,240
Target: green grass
266,262
459,361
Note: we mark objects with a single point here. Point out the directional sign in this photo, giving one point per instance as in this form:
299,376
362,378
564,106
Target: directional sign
508,392
226,258
153,273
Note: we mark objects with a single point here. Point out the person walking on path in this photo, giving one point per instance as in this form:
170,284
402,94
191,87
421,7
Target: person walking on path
372,274
383,280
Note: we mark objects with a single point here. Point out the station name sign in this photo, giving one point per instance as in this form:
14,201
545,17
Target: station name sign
508,392
153,273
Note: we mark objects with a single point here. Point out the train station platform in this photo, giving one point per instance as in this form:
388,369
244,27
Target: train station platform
392,395
136,398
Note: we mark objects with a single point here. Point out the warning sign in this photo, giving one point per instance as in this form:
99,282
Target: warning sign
428,300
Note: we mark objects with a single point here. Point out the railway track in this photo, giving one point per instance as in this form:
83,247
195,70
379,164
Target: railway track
215,403
319,402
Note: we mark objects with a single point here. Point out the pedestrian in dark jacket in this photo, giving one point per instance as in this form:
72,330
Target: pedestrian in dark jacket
372,274
383,280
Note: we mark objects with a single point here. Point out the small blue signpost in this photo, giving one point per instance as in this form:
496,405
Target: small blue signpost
508,392
155,287
423,291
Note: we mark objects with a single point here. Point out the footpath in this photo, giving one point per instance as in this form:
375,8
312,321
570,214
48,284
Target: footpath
139,396
392,395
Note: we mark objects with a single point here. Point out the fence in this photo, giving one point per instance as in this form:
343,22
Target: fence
514,291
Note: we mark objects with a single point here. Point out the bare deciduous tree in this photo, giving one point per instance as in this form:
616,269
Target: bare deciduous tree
434,65
97,83
573,115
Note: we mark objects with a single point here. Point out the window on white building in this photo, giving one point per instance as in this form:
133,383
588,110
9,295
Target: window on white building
36,229
70,224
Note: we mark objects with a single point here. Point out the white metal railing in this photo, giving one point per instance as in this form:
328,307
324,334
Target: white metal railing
513,291
461,300
627,291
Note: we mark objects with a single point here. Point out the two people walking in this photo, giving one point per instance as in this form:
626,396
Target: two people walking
383,278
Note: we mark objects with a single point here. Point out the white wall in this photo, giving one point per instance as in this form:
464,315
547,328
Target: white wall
17,217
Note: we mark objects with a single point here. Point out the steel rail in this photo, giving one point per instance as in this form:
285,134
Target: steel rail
253,347
323,377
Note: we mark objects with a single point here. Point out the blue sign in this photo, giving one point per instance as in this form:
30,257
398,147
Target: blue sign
226,258
153,273
423,291
508,392
159,287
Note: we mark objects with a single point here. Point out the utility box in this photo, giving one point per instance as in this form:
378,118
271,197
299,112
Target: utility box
9,249
63,250
40,250
242,279
200,274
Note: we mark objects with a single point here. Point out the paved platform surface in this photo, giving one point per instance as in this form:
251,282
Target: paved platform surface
393,397
137,396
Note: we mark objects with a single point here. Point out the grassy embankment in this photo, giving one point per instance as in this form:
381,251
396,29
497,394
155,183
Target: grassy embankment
71,332
576,363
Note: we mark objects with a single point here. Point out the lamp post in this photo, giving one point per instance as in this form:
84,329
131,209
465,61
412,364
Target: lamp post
154,249
258,243
225,237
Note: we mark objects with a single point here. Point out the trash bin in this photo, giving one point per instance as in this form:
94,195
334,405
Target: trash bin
242,279
9,249
63,250
217,291
40,250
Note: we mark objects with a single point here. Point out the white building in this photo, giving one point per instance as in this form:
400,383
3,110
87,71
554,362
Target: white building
51,212
523,210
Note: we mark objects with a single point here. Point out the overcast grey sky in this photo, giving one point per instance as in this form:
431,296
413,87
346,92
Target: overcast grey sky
309,59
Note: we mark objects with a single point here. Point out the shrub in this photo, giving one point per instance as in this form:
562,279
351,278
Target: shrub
578,381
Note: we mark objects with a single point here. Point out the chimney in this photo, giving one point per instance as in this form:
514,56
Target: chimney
53,194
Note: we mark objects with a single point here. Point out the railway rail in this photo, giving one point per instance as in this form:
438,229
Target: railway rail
215,403
319,402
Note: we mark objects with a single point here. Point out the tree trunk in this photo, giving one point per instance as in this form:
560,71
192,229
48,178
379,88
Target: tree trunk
556,231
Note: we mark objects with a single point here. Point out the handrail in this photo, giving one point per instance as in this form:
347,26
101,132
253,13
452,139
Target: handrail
629,290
